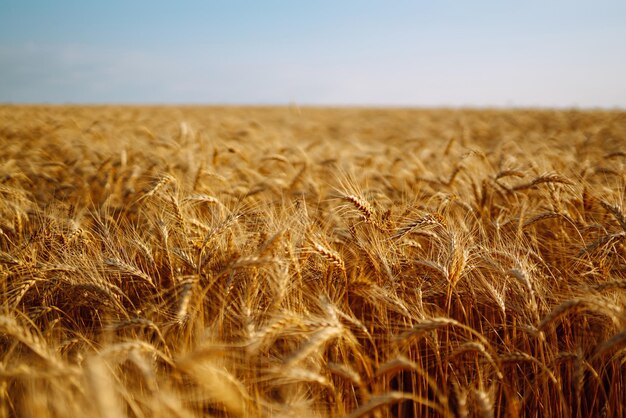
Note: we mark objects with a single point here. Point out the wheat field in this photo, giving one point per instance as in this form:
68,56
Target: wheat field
308,262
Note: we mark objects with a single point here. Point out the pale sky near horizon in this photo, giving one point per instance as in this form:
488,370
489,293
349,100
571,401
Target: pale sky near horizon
394,53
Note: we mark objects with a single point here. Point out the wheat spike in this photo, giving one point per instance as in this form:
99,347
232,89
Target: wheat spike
367,212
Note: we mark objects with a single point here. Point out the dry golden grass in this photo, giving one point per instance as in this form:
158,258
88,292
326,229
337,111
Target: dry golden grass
164,262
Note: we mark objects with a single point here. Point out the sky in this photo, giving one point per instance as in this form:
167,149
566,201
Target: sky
548,53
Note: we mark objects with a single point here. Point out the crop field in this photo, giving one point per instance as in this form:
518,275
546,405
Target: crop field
309,262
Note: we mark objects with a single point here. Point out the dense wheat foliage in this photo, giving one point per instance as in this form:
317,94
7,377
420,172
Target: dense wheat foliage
163,262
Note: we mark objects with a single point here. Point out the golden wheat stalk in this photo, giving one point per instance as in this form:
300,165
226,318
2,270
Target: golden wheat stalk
391,398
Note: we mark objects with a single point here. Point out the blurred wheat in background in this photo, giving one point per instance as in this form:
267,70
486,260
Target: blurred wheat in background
248,262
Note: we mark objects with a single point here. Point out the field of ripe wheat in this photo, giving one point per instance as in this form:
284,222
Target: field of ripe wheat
252,262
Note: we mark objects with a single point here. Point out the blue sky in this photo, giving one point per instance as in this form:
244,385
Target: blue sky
399,53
